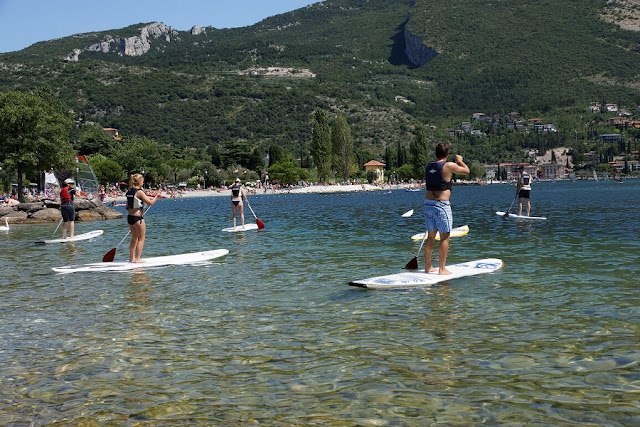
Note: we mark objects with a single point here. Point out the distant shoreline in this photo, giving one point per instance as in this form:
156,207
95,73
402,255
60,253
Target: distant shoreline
311,189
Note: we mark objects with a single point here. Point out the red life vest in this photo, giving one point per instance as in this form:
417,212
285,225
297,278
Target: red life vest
64,195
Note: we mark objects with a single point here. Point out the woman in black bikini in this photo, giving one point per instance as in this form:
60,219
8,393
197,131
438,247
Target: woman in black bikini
136,199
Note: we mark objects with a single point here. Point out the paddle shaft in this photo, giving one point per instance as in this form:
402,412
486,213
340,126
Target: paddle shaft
512,202
59,224
260,223
254,214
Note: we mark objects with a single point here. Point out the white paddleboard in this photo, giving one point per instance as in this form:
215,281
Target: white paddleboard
455,232
514,216
420,278
246,227
161,261
76,238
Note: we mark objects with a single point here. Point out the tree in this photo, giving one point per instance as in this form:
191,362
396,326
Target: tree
342,146
276,154
321,144
401,155
106,170
419,152
476,170
141,155
34,134
94,140
287,171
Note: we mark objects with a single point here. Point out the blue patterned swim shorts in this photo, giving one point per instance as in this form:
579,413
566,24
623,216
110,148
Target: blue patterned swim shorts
438,216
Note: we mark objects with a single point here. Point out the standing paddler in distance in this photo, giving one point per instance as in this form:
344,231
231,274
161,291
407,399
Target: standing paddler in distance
437,207
523,189
237,194
68,212
136,200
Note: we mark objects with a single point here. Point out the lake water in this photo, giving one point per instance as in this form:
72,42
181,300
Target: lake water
272,334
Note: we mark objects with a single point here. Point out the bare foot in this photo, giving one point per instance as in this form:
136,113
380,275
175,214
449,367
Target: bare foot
431,270
444,272
140,261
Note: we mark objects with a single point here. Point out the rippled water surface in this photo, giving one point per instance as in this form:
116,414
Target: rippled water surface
272,333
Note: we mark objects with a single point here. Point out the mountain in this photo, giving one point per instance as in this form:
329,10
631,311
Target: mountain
387,65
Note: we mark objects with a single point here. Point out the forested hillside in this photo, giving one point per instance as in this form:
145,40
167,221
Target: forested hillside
211,90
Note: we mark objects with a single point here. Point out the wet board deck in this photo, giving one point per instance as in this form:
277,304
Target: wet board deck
420,278
76,238
239,228
455,232
161,261
514,216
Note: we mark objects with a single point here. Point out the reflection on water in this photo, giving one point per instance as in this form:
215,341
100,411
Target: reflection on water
272,334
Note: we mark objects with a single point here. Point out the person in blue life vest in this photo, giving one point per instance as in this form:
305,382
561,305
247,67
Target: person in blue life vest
67,194
237,194
523,189
136,200
437,207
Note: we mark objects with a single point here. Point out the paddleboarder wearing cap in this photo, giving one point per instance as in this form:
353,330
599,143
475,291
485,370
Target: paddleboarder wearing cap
237,194
437,208
67,193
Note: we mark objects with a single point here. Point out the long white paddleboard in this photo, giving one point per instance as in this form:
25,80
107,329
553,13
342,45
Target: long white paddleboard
246,227
161,261
420,278
455,232
76,238
514,216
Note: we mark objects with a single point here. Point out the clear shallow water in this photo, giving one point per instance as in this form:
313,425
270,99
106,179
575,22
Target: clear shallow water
271,333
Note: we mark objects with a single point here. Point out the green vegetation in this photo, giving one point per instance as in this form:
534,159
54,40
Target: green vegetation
34,133
189,110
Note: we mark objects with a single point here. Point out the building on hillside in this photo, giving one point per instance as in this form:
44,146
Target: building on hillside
513,170
633,165
553,171
377,167
611,137
113,132
594,107
544,127
619,122
491,172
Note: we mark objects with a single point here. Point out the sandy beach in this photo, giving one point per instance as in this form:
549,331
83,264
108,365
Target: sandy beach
311,189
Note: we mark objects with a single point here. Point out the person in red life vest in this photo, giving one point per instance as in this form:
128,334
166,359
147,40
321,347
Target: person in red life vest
67,193
136,199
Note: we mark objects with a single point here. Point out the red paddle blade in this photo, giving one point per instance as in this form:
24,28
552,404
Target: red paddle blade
413,264
260,224
109,256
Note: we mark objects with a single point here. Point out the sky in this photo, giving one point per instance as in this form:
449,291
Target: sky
25,22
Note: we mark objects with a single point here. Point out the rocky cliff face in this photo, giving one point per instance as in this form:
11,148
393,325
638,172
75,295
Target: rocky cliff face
130,46
416,51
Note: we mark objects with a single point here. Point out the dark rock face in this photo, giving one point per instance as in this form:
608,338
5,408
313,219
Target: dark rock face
418,53
49,211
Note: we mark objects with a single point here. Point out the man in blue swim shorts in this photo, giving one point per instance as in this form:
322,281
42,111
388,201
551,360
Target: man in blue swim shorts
437,207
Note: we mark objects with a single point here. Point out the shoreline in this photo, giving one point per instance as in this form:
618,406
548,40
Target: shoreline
310,189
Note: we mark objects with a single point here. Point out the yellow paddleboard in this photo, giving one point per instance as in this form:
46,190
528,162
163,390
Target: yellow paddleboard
456,232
